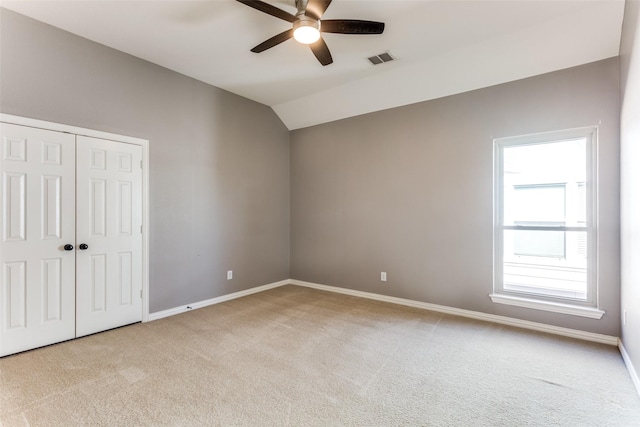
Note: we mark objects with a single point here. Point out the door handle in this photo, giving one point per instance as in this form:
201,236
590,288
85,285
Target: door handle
68,247
83,246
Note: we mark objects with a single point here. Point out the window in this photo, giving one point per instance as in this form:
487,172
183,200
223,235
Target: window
545,225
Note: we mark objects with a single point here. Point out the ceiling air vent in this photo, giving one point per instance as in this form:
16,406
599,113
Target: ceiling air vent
381,58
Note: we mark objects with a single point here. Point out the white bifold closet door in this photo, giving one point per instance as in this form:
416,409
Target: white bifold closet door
71,236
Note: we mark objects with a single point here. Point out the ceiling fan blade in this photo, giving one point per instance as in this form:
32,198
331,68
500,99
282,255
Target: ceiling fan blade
316,8
321,51
273,41
268,9
351,26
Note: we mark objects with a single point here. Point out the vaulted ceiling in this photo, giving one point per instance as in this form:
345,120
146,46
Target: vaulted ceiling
441,47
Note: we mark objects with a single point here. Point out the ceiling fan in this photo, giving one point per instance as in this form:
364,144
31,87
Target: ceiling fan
307,26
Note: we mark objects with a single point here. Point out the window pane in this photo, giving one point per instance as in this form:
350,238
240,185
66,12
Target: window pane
538,202
544,183
552,263
550,244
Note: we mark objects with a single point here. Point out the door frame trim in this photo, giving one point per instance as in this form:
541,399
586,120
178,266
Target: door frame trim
144,143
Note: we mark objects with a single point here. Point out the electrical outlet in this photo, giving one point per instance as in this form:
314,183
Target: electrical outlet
229,274
383,276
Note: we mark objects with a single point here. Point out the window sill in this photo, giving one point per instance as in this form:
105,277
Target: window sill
574,310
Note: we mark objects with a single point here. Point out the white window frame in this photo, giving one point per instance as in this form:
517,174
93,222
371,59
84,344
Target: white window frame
573,306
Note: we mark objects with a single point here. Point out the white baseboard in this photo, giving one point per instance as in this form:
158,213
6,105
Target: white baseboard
510,321
183,308
629,364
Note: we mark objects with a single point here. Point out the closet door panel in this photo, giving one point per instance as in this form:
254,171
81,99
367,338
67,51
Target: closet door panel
37,277
109,211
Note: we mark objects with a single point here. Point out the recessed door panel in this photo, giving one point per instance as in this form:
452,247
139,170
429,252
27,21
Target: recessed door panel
51,153
37,199
109,210
98,206
125,208
98,282
125,277
51,207
15,212
97,159
52,289
15,148
15,306
125,162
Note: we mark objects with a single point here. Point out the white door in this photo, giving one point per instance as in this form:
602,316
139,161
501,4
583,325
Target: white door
37,283
109,223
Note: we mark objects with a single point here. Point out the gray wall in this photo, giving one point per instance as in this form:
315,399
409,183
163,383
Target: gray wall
219,163
409,191
630,178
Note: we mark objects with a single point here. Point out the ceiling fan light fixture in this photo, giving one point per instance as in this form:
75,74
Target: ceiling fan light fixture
306,26
306,30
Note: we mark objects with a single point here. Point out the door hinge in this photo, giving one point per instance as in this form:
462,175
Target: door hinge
141,164
140,228
140,293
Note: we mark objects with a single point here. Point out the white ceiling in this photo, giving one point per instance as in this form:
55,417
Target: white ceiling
442,47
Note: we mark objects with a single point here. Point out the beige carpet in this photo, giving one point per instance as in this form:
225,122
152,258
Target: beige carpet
297,356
